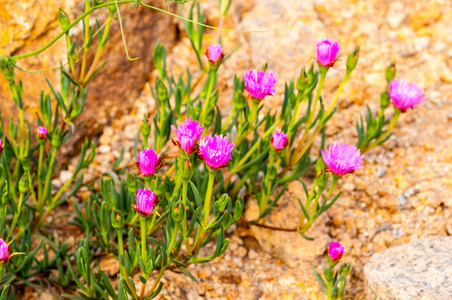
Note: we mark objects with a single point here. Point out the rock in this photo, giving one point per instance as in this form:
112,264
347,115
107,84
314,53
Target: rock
395,18
380,172
65,176
420,269
290,247
430,198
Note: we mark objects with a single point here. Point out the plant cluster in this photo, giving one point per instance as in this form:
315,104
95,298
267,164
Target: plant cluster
171,212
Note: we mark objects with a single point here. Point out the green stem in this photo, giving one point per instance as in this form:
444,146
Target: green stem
184,221
32,190
208,199
41,156
226,124
391,125
61,191
323,72
143,223
212,78
47,181
22,132
16,216
339,91
2,271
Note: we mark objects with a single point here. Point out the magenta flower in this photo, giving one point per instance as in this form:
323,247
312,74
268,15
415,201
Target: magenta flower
41,131
260,84
4,250
216,151
405,95
279,140
342,158
188,134
215,53
146,201
2,145
326,52
148,161
336,250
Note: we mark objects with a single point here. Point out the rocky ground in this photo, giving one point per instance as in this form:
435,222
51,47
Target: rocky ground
402,193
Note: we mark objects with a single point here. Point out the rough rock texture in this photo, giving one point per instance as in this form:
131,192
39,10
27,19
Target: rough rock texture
420,269
27,25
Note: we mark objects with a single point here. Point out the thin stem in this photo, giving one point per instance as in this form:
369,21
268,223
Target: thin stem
22,132
143,222
100,48
226,124
32,190
208,199
85,38
339,91
184,221
61,191
47,180
16,216
212,78
41,155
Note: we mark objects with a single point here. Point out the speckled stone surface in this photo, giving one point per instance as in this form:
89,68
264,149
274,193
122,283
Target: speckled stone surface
420,269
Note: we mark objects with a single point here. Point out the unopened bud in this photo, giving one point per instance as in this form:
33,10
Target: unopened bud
131,183
56,138
328,274
23,184
239,101
162,92
302,81
352,59
117,219
390,72
145,128
384,100
223,202
63,18
178,213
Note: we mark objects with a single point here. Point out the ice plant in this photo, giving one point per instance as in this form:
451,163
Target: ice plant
336,250
41,131
279,140
146,201
327,51
216,151
260,83
405,95
342,158
148,161
215,53
4,251
2,145
188,134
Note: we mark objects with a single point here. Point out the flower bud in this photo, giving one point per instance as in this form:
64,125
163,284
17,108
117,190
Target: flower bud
215,55
145,128
352,59
312,79
384,100
56,138
319,165
7,71
223,202
162,92
390,72
41,133
158,187
23,184
26,164
335,250
2,146
184,169
272,173
279,140
63,18
4,251
302,81
117,219
322,179
326,52
4,195
148,161
131,183
178,213
146,202
239,101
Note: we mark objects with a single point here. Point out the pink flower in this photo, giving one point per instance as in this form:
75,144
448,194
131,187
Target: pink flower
216,151
146,201
342,158
279,140
215,53
336,250
260,84
2,145
188,134
41,131
148,161
4,250
326,52
405,95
